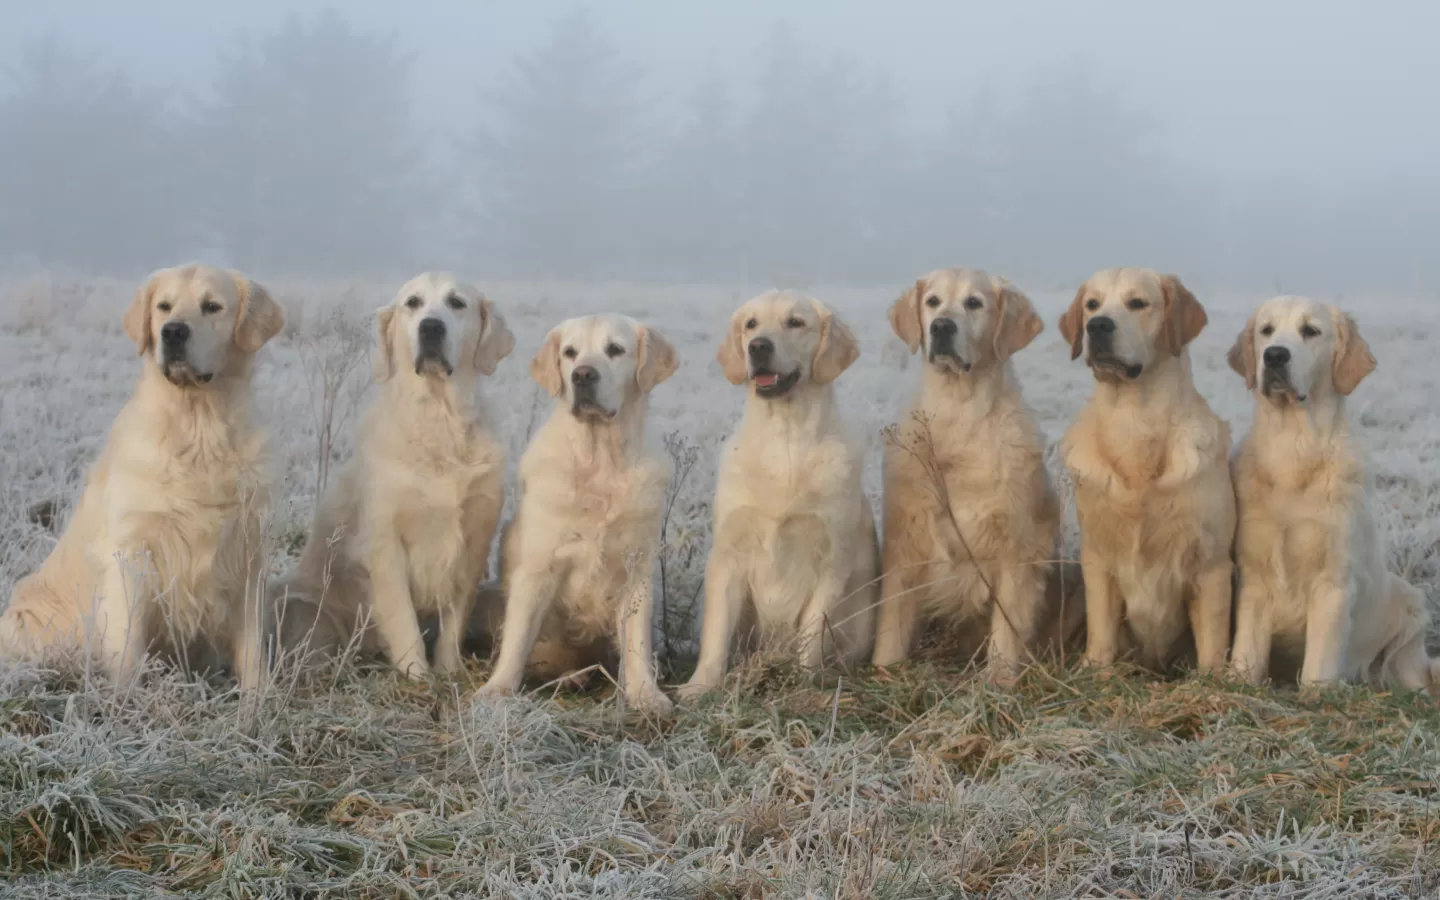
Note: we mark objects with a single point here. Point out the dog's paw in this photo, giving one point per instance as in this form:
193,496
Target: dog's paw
491,692
692,691
649,699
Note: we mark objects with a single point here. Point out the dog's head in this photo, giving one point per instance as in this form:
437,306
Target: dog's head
600,364
198,322
781,341
1294,348
965,319
437,324
1127,320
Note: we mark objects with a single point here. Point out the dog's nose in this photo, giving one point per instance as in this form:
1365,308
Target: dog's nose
584,376
1276,357
943,328
761,348
432,329
174,332
1100,325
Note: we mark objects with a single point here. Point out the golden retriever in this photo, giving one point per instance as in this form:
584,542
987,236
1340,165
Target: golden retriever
794,532
972,520
577,561
1150,464
164,549
405,528
1310,552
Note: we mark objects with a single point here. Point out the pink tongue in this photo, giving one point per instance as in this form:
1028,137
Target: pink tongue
766,380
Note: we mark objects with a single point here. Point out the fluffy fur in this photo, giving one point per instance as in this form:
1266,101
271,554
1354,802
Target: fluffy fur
1313,578
1152,482
163,550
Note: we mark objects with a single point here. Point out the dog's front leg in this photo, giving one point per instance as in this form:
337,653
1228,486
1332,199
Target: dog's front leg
532,591
898,618
1019,595
122,615
1327,632
1103,609
393,608
1253,634
635,628
818,617
724,598
1210,616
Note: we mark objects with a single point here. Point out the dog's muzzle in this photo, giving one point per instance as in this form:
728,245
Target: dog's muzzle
1275,376
431,355
174,359
1101,356
584,393
768,382
942,350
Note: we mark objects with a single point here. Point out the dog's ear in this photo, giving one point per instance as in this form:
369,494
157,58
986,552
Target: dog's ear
1242,355
1353,359
655,359
137,317
1016,322
731,355
259,318
496,342
837,348
1184,316
1072,323
385,359
905,315
545,367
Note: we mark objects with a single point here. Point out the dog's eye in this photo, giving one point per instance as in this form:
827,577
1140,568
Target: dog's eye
164,306
973,303
932,302
614,350
1092,304
413,303
751,323
1267,330
455,301
1136,303
570,353
1309,331
794,322
209,307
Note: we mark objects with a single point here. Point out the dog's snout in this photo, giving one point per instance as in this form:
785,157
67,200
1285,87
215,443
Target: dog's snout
585,376
943,328
174,332
761,348
1100,326
431,329
1276,357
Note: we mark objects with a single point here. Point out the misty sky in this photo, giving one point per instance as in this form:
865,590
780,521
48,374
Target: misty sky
1315,87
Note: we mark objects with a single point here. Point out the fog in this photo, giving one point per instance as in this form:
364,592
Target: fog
1289,145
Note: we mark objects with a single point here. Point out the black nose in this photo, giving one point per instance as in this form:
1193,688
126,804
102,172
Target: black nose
432,329
943,328
761,348
1276,357
1100,325
584,376
174,332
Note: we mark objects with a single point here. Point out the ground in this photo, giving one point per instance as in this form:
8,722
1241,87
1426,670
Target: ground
917,784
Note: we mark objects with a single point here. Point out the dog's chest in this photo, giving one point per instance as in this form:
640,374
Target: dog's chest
788,479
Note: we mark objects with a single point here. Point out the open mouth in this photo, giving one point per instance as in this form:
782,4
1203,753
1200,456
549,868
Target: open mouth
1105,364
949,360
433,364
180,373
769,384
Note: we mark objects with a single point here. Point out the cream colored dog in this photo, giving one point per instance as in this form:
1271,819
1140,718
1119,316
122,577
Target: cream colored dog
164,547
577,561
1312,561
794,532
1152,479
972,521
406,527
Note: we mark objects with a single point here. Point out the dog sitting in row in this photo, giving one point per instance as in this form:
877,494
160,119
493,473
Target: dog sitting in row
972,520
794,536
164,551
1150,463
1313,577
405,528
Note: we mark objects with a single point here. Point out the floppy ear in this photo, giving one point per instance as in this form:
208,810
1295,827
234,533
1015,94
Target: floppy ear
137,317
1242,355
259,318
731,355
905,315
837,348
1184,316
545,367
1016,324
655,359
385,359
496,342
1353,359
1072,324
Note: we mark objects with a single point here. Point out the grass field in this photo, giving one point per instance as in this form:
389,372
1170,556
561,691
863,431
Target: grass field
923,783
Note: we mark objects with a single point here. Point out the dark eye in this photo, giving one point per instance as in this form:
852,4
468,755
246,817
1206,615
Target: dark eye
973,303
614,350
570,353
1136,303
163,306
751,323
1308,331
209,307
1267,330
1092,304
794,322
455,301
932,302
413,303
